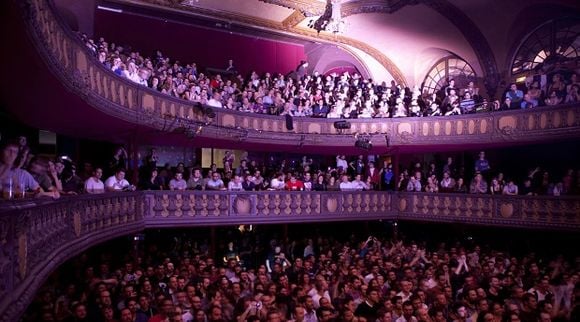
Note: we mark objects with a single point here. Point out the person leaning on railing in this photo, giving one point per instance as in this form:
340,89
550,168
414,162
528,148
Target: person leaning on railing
16,182
117,182
94,185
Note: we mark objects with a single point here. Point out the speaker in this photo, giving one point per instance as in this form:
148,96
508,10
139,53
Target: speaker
289,122
363,144
342,125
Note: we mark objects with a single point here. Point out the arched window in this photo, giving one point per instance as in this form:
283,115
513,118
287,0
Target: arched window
554,44
445,69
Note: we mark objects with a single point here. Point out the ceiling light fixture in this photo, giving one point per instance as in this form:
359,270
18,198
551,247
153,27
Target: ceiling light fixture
331,20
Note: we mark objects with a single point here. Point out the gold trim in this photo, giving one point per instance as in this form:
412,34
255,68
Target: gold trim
294,19
308,7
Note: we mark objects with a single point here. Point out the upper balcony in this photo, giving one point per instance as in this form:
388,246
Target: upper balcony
122,103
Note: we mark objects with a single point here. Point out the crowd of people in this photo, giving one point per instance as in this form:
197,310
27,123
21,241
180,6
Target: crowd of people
318,278
300,93
24,174
539,91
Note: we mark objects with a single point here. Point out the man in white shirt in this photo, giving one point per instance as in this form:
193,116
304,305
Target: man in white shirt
235,184
94,183
215,100
277,182
405,293
345,185
118,182
341,162
407,313
357,184
178,183
215,183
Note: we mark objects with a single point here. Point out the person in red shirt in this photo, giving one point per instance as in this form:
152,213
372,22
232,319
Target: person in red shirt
294,184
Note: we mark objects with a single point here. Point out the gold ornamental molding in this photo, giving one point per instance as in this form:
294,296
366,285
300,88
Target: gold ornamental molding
372,51
316,7
293,20
287,26
307,7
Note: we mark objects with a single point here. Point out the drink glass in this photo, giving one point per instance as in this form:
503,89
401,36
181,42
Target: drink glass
7,189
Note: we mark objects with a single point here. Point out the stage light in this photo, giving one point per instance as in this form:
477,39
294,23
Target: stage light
342,125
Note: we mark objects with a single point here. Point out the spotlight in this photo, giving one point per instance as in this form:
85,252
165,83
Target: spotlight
363,143
342,125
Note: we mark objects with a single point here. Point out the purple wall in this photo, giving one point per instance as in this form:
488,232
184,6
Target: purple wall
207,48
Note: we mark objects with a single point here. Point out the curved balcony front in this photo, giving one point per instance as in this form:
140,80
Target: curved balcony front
152,112
39,235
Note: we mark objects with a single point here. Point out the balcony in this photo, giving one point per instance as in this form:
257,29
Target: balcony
115,98
39,235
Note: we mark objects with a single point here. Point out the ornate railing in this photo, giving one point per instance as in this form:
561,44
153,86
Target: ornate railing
79,71
36,237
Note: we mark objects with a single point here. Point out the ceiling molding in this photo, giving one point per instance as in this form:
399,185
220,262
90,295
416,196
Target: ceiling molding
293,20
372,51
375,6
458,18
308,7
316,7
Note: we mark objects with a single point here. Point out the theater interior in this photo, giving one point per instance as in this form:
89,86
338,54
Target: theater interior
290,160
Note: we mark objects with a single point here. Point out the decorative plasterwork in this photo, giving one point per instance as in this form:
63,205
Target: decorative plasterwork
316,7
308,7
372,6
294,19
375,53
457,17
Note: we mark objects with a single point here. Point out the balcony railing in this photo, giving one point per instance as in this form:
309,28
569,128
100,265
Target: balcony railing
69,59
37,236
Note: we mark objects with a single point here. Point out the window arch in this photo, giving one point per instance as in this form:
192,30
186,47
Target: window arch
555,43
445,69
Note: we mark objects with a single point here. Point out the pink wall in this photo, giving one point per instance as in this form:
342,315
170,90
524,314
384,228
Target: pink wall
208,48
341,69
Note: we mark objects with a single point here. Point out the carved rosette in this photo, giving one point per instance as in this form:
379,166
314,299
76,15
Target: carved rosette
331,204
406,137
402,204
241,204
506,210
